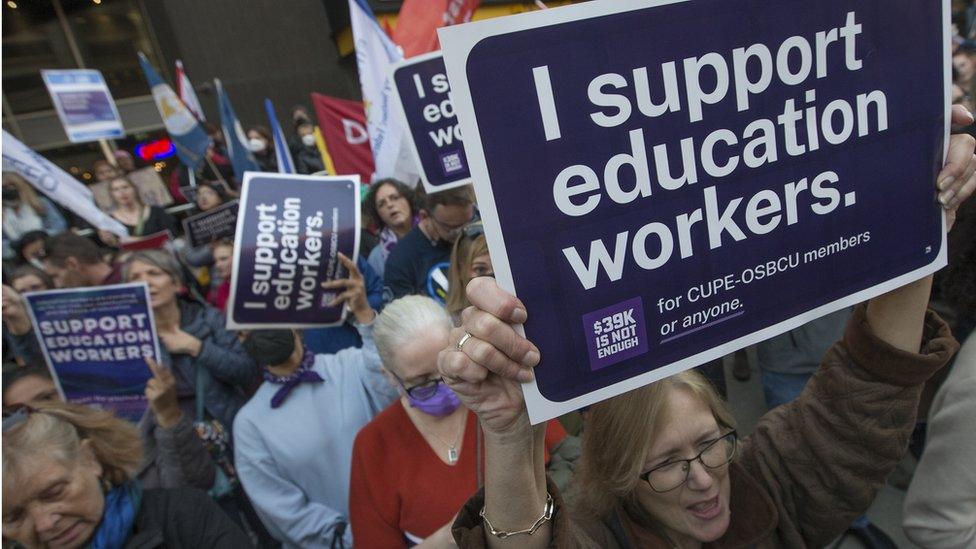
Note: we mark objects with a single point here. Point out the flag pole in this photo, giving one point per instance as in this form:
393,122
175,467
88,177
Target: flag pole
216,172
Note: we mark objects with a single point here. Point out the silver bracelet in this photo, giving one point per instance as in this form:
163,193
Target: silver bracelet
546,517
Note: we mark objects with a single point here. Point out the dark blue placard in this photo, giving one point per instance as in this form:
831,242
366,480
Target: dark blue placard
873,225
423,90
290,230
95,341
206,227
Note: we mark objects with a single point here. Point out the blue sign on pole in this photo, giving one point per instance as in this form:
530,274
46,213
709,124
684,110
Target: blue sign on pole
84,104
95,341
659,201
290,231
435,135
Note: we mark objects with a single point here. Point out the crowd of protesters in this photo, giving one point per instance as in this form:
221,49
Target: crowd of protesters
405,427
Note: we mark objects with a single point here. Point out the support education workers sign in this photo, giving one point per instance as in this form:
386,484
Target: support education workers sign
290,230
664,182
95,341
423,92
84,104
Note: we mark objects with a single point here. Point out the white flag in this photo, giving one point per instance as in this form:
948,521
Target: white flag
187,95
375,52
56,184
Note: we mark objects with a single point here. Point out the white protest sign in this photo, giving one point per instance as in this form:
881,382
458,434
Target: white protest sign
56,184
84,104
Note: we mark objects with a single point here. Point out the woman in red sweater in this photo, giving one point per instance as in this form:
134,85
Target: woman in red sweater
415,464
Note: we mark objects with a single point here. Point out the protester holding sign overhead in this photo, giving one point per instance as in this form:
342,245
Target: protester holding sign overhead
293,440
662,465
418,264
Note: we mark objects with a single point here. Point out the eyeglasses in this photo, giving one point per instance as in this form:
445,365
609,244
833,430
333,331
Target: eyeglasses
421,391
450,229
473,229
669,476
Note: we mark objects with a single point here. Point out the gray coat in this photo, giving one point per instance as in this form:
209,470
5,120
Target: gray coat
227,368
174,457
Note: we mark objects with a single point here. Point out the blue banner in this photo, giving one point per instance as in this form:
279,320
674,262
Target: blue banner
184,129
95,341
658,201
241,157
434,134
84,104
290,231
282,153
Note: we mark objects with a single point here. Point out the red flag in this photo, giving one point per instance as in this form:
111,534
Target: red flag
418,21
343,125
459,11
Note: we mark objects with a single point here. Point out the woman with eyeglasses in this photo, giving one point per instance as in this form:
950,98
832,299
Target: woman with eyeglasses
661,466
469,259
415,464
391,206
68,482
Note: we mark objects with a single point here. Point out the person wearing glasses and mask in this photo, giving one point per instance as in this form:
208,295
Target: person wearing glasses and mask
662,465
293,439
416,463
419,263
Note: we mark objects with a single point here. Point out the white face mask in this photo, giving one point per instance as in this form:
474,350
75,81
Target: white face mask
308,140
256,145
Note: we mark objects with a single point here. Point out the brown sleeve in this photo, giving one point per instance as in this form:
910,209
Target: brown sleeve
469,531
823,456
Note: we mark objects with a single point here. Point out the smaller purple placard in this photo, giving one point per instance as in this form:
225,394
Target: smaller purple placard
615,333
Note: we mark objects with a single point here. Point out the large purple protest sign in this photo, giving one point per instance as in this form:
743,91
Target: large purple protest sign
659,201
290,231
95,341
435,136
84,104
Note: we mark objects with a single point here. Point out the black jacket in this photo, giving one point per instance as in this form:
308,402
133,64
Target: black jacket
183,517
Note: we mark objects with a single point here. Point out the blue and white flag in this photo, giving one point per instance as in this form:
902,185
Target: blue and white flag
240,156
282,154
56,184
375,53
184,129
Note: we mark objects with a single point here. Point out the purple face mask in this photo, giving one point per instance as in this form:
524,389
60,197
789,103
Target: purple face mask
441,404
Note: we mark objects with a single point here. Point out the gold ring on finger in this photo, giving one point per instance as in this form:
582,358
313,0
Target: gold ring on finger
464,339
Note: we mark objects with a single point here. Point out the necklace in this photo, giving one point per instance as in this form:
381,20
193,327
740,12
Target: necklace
452,451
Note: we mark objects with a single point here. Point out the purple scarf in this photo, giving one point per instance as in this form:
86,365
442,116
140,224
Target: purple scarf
303,374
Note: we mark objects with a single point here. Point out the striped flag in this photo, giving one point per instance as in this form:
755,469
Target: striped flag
185,90
240,156
184,129
282,154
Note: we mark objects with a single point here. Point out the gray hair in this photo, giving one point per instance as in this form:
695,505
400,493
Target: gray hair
403,319
158,258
